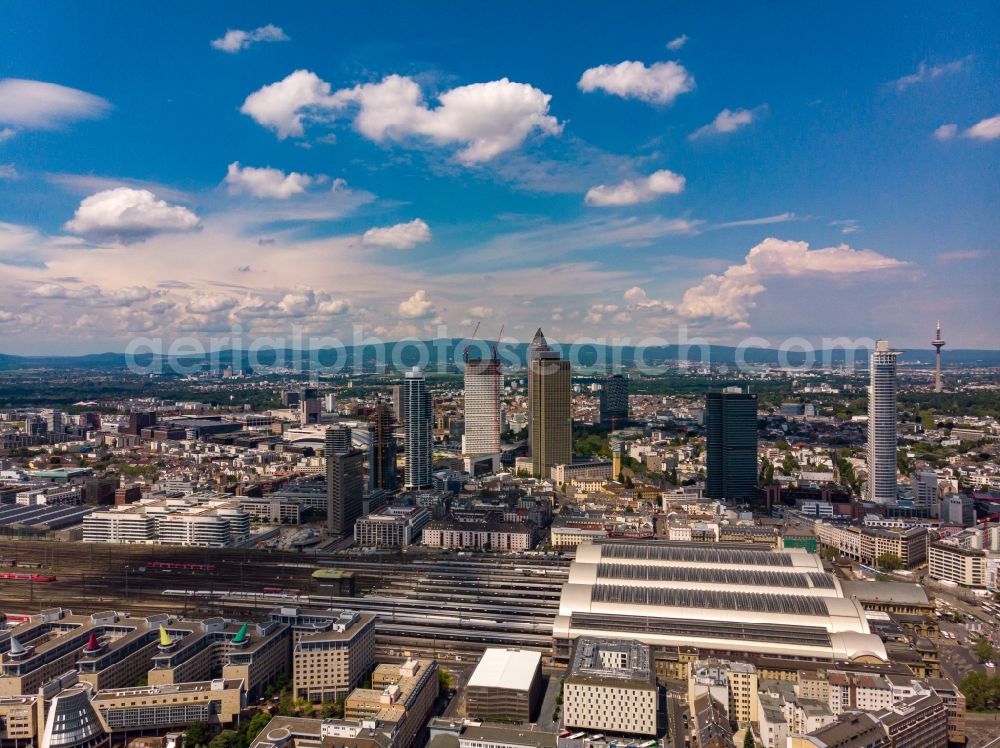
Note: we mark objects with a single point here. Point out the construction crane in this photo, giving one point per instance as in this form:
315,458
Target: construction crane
497,377
465,353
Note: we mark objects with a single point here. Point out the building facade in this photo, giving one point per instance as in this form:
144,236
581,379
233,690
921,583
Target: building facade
731,445
550,418
419,426
881,452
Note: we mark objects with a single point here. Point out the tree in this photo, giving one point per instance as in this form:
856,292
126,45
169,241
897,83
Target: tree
984,650
830,553
198,733
766,476
889,562
982,691
748,741
256,724
225,739
444,679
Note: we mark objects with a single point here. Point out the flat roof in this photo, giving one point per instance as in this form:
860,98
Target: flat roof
886,592
506,668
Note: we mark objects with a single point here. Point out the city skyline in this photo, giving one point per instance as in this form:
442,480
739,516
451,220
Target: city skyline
325,173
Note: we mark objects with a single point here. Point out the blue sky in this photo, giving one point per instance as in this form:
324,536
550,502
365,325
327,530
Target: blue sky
594,169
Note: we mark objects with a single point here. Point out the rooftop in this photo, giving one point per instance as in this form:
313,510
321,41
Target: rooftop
506,668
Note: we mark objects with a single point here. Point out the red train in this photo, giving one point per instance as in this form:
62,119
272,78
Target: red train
179,567
28,577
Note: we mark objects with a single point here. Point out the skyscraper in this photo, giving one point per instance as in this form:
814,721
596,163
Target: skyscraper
419,421
882,424
731,427
345,481
938,344
614,401
399,404
550,419
382,449
482,412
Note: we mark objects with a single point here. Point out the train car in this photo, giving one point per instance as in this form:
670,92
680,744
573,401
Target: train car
271,590
28,577
169,566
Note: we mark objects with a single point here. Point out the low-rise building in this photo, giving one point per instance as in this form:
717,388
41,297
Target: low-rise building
391,527
332,651
610,688
401,694
506,684
495,536
949,562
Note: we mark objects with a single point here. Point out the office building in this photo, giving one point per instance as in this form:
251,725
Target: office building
332,651
614,402
925,492
419,425
610,688
382,450
391,527
201,520
72,722
731,455
506,685
345,481
146,708
949,562
853,730
920,721
481,440
400,694
881,454
399,404
958,509
866,544
550,419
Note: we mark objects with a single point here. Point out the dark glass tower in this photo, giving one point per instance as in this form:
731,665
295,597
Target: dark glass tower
614,402
731,425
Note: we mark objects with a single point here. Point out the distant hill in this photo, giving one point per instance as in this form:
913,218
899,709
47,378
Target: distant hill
406,354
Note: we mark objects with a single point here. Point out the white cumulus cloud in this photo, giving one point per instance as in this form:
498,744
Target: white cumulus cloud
486,119
44,106
6,133
987,129
400,236
281,106
730,296
237,39
946,132
127,215
725,121
489,118
210,303
265,182
417,306
632,191
660,83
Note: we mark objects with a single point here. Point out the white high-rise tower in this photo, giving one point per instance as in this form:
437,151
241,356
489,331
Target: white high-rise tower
481,439
419,418
938,344
882,424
